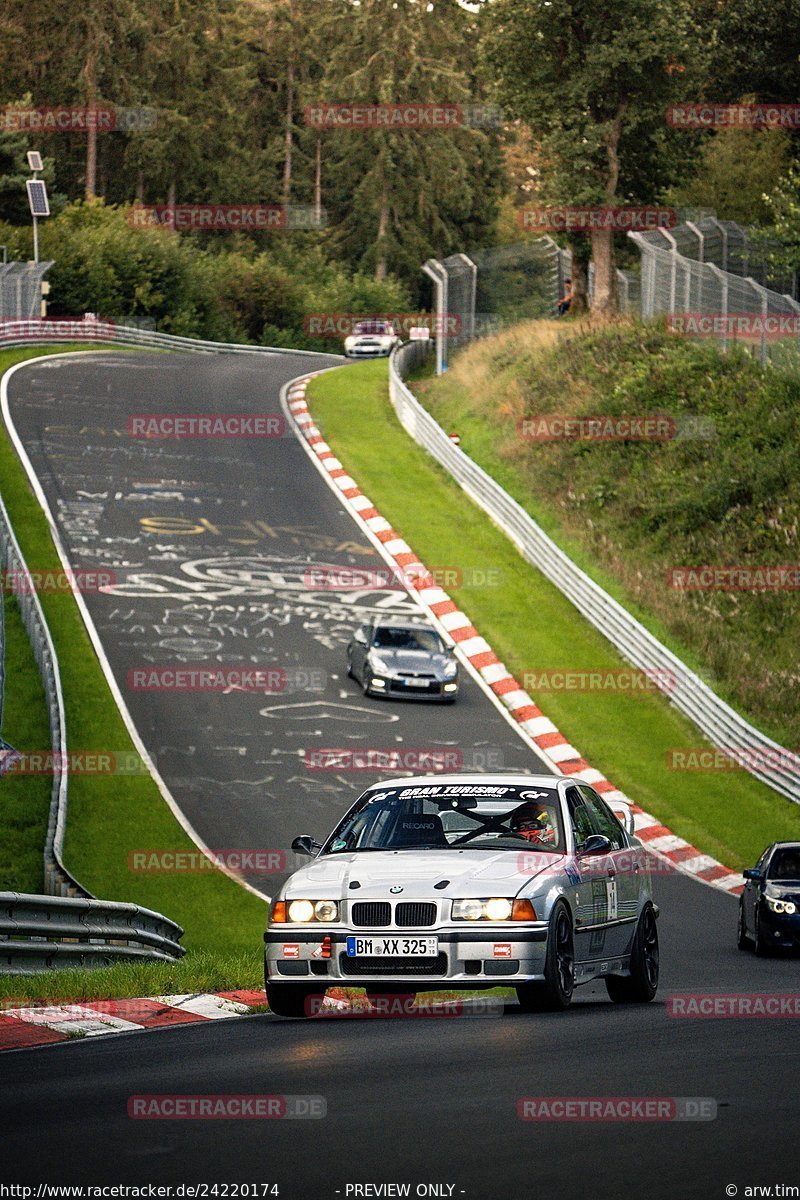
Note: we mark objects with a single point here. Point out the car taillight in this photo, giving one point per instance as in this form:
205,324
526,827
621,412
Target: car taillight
278,912
523,910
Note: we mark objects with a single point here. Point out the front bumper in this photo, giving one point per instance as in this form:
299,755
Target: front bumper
368,352
781,929
467,957
398,689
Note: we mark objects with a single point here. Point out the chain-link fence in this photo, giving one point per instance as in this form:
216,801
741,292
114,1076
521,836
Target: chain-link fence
21,289
709,278
701,299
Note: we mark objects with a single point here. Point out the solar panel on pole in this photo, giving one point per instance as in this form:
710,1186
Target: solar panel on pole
35,160
37,197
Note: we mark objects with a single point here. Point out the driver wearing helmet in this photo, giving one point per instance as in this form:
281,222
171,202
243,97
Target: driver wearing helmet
532,821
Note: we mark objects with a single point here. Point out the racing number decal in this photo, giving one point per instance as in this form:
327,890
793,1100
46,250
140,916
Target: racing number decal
613,902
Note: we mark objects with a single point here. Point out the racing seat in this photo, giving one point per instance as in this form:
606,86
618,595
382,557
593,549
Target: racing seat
426,829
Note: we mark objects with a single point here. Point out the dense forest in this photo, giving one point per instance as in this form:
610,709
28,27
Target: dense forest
217,102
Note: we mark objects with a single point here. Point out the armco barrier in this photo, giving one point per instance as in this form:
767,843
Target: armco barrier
724,727
58,881
40,332
42,933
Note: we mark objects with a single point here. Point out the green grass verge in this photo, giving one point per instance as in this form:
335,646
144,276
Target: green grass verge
111,815
629,512
533,628
202,971
24,799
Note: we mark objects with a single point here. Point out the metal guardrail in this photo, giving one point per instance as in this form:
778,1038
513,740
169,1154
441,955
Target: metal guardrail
42,933
57,879
52,330
724,727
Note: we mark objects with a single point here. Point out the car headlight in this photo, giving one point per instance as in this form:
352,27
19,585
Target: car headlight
349,342
498,908
302,912
377,664
781,906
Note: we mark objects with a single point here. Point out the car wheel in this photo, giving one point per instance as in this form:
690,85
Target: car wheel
365,688
555,993
642,984
349,668
290,999
742,937
762,947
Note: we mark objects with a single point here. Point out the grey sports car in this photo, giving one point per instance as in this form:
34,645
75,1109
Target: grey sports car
467,881
391,657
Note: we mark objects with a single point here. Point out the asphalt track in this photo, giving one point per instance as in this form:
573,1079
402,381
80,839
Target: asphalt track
217,548
428,1101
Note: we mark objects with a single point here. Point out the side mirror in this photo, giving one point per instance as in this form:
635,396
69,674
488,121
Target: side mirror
360,636
752,873
305,844
596,843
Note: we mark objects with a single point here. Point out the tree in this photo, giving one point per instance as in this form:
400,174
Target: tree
594,80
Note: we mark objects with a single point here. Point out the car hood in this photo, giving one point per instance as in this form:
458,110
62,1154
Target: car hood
471,873
411,660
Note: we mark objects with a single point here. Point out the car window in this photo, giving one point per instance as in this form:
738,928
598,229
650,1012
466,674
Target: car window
604,819
785,864
582,826
389,638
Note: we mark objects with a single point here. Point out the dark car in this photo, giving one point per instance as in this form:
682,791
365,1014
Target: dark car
401,659
769,907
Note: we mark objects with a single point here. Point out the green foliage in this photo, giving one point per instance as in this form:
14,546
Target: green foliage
736,169
104,264
724,490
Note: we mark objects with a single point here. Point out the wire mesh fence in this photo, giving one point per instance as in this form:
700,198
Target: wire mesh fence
21,289
708,278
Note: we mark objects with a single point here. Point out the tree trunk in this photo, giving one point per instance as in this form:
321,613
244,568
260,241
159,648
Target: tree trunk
140,186
171,194
91,163
288,136
318,183
604,298
581,254
383,225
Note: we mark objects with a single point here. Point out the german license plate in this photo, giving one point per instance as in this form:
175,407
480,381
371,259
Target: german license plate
417,683
392,947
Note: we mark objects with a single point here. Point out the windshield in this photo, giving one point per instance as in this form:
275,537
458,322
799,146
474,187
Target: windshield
377,327
785,864
452,817
391,638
